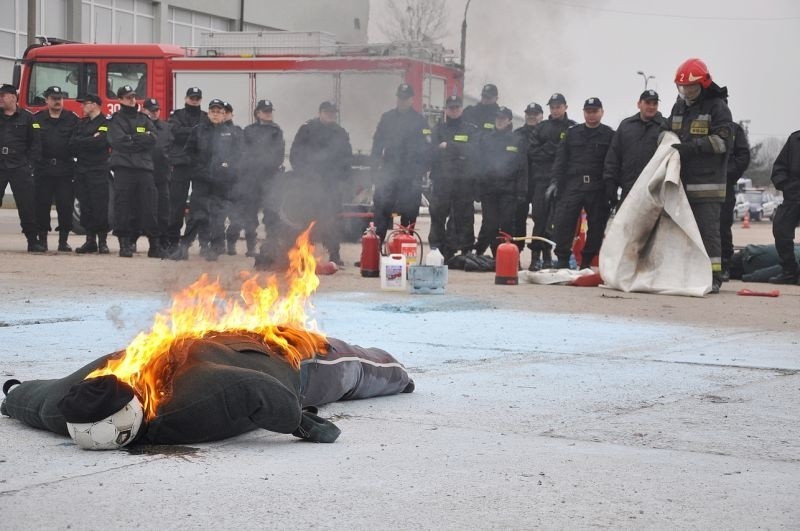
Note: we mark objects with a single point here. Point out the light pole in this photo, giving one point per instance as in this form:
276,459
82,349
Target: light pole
464,37
645,77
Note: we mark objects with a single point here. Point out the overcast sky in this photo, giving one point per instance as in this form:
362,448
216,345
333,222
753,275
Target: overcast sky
583,48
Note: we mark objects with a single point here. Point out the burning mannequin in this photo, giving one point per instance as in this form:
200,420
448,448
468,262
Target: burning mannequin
222,386
214,366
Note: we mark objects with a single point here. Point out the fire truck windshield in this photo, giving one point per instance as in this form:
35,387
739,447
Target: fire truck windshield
75,80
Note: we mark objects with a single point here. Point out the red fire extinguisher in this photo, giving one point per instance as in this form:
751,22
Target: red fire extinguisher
405,241
370,252
506,262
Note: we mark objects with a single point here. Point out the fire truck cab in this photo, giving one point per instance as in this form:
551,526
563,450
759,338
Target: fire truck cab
296,71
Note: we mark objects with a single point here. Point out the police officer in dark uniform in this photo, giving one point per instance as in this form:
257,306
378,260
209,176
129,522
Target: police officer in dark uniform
577,181
16,138
541,155
263,152
162,171
89,145
738,162
215,149
504,179
632,147
786,178
452,182
133,137
321,154
703,122
53,166
483,115
182,121
400,149
533,117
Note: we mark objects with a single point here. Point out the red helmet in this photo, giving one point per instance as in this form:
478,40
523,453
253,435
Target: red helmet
693,71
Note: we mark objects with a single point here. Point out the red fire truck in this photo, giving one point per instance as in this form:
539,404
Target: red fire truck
242,68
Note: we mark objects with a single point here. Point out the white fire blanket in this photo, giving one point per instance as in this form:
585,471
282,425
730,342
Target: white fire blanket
552,276
653,245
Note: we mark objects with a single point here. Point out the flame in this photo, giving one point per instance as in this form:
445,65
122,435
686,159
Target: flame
204,309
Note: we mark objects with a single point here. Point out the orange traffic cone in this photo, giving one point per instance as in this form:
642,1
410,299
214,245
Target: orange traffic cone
746,220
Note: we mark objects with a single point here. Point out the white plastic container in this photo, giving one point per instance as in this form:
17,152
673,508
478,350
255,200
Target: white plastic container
393,272
434,258
427,279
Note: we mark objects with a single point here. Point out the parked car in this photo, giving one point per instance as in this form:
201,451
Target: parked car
741,206
771,205
755,196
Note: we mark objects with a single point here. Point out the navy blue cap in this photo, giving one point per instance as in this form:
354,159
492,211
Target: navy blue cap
534,108
405,91
194,92
557,99
264,105
489,90
125,90
329,106
5,88
216,102
505,112
91,98
593,103
151,104
649,95
53,91
454,101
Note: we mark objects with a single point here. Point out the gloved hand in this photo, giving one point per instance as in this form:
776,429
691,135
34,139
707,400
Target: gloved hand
551,192
685,149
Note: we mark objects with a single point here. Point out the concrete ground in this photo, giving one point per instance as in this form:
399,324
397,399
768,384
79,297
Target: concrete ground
535,407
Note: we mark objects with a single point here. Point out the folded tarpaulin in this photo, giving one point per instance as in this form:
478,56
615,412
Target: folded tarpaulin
554,276
653,245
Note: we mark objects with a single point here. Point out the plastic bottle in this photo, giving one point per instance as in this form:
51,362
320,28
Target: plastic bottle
434,258
393,272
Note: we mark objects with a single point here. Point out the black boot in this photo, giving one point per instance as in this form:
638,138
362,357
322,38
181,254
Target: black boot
43,239
786,277
63,246
33,244
125,249
251,245
90,246
102,243
334,257
716,282
155,248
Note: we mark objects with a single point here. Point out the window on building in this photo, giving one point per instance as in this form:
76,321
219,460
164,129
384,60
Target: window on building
121,74
118,21
186,27
51,22
75,79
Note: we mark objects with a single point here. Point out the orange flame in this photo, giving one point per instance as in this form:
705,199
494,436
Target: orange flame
203,309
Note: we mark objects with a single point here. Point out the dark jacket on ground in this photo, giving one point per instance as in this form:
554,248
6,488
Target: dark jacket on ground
581,156
786,170
322,150
458,160
182,121
504,163
16,138
264,149
89,144
215,152
739,159
632,147
706,126
544,144
132,137
229,385
400,145
50,150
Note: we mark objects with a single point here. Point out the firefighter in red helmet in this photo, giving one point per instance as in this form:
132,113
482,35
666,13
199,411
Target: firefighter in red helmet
703,122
